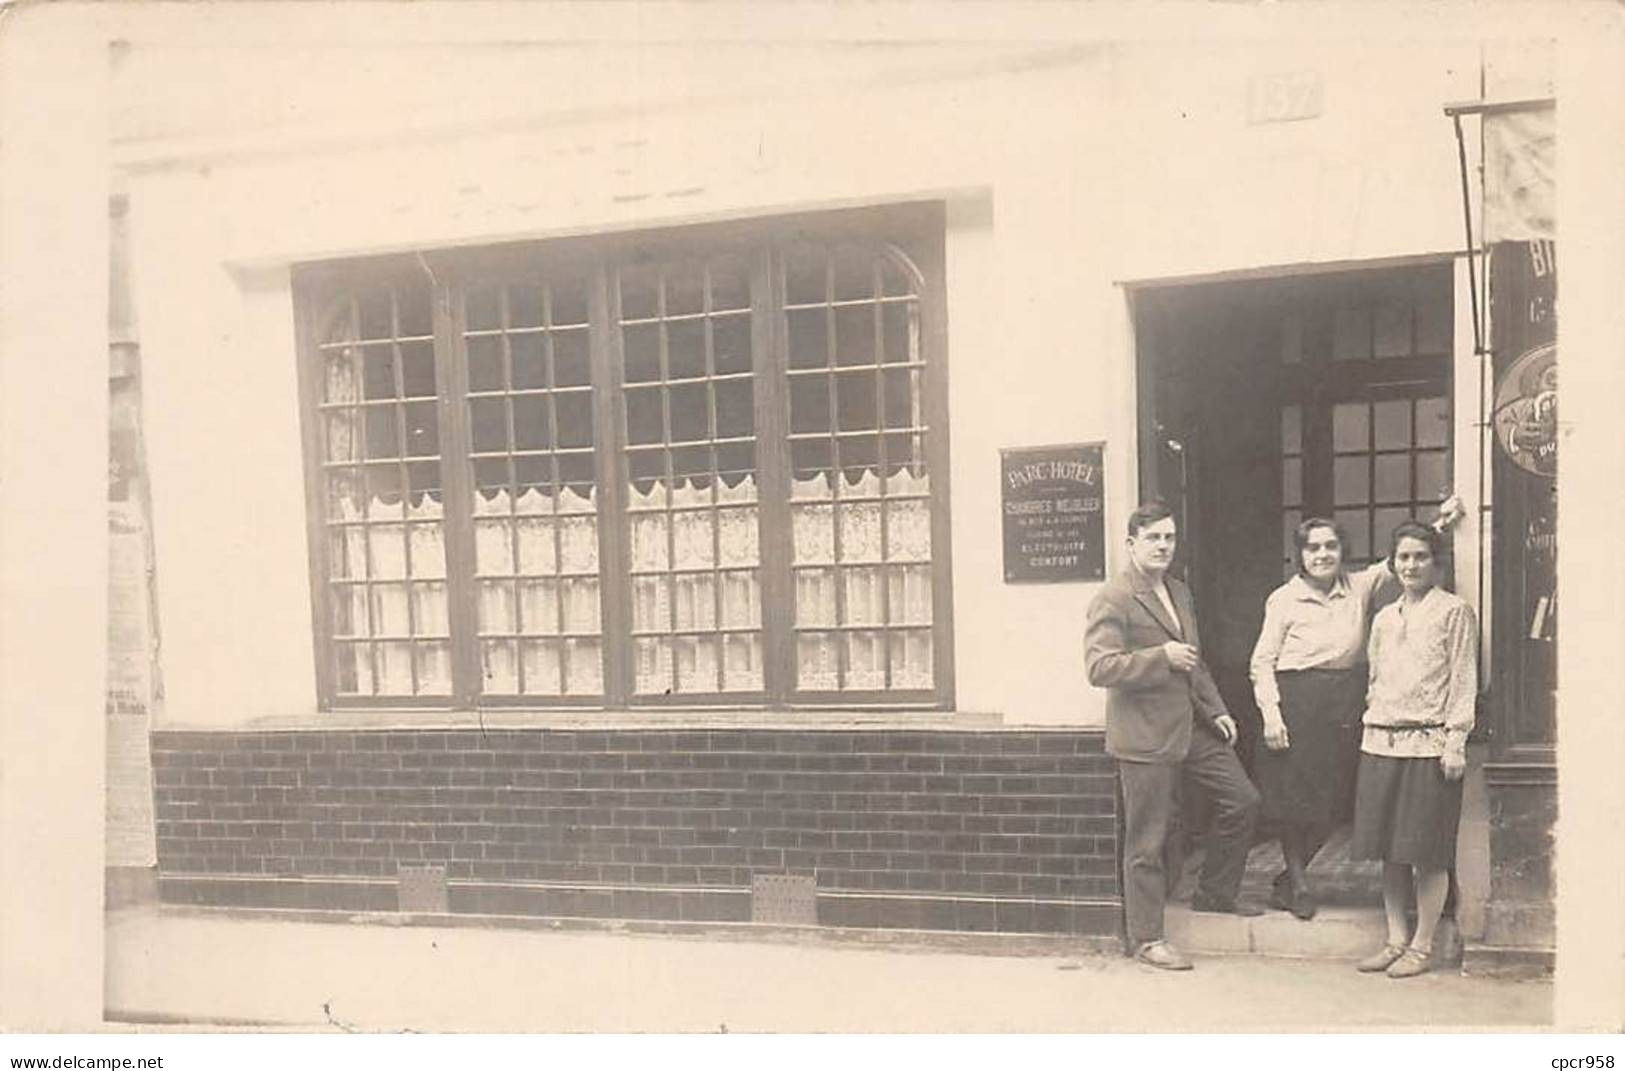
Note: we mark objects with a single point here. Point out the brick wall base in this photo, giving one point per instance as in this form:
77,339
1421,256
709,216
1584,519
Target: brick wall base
978,831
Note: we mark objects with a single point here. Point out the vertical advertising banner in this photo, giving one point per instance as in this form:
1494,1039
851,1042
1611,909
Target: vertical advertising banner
1524,421
1519,211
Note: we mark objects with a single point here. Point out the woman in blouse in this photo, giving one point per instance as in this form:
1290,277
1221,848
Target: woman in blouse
1309,676
1413,751
1309,679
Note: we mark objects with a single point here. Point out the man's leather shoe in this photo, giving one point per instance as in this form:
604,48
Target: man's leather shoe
1163,955
1209,905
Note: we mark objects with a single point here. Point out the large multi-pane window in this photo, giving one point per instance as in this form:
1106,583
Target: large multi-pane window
1365,414
671,469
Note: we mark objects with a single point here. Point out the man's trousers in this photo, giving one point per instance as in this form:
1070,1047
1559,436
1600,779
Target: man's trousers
1149,798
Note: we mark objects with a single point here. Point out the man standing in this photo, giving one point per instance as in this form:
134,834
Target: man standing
1165,720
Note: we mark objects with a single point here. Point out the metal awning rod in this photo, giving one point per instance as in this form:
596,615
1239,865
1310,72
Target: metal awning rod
1496,107
1467,222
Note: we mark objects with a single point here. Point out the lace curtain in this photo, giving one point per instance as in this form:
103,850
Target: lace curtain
885,576
695,570
536,557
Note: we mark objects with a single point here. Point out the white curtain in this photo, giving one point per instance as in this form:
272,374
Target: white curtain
699,532
379,550
884,585
535,559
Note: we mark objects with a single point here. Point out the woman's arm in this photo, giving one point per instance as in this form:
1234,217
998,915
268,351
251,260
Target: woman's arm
1462,697
1261,667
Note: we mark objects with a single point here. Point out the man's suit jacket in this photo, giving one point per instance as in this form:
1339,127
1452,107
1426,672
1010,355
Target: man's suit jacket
1149,704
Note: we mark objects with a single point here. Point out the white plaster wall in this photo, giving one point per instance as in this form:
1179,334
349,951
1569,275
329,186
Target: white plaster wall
1063,179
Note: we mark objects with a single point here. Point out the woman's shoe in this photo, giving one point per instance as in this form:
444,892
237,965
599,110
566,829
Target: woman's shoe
1381,959
1304,905
1410,964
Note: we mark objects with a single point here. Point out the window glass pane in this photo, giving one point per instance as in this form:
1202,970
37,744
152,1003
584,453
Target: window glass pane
383,435
730,344
742,663
1393,423
900,326
813,533
1432,422
690,414
1432,475
860,531
1384,521
865,660
1350,426
584,666
531,423
1290,519
908,595
499,667
429,615
652,662
855,398
809,338
815,597
685,349
1291,481
496,606
542,664
528,356
817,662
422,430
908,526
417,369
1393,478
1291,429
640,348
489,420
486,371
911,659
1357,523
809,404
1351,480
572,362
736,414
855,335
864,596
574,413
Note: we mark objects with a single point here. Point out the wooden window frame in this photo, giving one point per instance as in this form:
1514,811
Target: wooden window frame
451,273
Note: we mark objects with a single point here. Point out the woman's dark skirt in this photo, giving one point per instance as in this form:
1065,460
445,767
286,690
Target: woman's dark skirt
1310,784
1406,812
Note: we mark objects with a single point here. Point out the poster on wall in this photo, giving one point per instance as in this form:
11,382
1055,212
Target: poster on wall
1052,499
1524,421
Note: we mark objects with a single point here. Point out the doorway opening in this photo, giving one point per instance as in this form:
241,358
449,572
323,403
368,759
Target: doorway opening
1266,401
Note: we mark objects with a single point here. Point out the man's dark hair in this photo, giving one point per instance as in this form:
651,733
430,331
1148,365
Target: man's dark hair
1149,513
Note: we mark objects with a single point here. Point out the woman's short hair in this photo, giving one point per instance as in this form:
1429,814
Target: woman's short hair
1300,538
1416,530
1148,514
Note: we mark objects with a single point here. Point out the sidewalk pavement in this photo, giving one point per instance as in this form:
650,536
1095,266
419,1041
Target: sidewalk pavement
373,973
